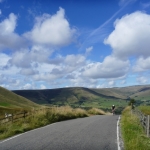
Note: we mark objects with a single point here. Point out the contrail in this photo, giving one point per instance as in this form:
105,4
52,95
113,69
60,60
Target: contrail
99,29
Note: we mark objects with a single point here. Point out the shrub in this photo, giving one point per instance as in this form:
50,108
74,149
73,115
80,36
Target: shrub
96,111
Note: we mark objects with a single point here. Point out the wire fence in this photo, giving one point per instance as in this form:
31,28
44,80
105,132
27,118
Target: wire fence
15,117
144,119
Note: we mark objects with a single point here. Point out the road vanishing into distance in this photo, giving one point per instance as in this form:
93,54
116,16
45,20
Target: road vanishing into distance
90,133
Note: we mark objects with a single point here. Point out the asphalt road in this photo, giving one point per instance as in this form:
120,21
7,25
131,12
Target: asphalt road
91,133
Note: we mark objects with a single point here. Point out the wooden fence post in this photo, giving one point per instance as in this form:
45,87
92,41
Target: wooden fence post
148,126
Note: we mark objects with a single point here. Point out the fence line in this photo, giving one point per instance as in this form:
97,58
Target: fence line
17,116
14,117
144,119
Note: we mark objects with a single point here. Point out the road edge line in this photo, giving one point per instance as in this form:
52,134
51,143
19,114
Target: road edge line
26,132
118,140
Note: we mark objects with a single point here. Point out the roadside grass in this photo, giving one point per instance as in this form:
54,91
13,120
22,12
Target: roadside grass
41,118
96,111
132,132
145,109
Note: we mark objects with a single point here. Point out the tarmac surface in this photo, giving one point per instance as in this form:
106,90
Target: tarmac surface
90,133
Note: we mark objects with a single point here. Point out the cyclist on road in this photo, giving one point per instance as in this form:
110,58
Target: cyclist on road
113,109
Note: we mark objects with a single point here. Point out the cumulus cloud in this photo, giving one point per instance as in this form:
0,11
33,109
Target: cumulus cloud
111,83
142,80
4,58
75,60
111,67
67,65
88,50
28,71
131,35
42,86
8,38
78,80
47,76
142,64
27,86
51,30
25,58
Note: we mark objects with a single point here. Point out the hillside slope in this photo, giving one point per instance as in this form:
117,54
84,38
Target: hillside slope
11,100
75,97
87,97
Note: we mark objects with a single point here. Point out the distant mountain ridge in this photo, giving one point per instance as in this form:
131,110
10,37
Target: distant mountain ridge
83,96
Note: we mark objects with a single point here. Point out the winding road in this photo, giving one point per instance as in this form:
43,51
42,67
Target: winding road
91,133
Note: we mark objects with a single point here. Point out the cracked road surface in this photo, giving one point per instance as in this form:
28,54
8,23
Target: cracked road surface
91,133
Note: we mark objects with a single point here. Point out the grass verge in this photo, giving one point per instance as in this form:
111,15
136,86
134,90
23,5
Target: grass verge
145,109
132,132
42,118
96,111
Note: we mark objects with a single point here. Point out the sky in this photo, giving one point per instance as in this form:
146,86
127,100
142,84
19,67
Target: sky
47,44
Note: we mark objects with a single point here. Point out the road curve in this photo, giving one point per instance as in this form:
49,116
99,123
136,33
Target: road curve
91,133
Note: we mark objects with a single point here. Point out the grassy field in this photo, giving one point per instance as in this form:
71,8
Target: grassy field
9,99
132,132
44,117
145,109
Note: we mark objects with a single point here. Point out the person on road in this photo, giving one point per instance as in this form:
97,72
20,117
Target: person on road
113,109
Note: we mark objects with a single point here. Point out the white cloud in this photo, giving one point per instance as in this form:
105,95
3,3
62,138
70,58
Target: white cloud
25,58
142,80
88,50
52,30
8,25
131,35
111,67
8,38
75,60
28,71
47,76
42,86
10,71
67,65
142,64
27,86
111,83
80,81
4,60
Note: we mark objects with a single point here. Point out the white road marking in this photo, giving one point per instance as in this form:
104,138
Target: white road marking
118,143
26,132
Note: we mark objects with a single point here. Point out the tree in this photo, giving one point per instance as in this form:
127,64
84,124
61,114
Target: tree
131,103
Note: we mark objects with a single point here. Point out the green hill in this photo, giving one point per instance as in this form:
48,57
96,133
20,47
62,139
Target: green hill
75,97
11,101
88,97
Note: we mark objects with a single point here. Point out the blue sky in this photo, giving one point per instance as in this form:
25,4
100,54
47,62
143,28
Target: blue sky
74,43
